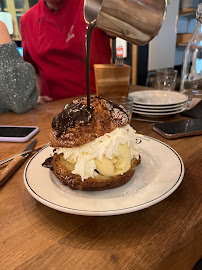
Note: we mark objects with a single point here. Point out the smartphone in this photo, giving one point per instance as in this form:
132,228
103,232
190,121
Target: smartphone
178,129
17,133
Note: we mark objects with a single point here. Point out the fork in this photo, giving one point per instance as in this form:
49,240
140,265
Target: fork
119,61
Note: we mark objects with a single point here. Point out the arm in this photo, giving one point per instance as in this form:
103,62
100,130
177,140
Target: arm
4,35
38,83
17,78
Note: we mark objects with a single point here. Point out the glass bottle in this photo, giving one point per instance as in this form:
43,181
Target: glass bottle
191,79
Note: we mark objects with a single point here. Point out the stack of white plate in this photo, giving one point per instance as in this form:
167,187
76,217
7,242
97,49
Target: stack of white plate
158,102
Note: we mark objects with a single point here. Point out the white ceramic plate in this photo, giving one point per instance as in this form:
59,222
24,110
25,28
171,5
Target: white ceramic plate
157,97
172,107
159,174
160,111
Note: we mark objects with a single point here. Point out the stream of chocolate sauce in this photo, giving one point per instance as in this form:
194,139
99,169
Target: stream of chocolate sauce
88,38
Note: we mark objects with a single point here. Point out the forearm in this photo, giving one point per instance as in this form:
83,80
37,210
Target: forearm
41,99
4,35
38,84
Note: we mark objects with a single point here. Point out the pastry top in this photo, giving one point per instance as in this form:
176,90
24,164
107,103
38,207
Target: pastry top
76,125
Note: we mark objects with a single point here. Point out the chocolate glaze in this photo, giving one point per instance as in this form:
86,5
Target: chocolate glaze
71,113
48,163
78,113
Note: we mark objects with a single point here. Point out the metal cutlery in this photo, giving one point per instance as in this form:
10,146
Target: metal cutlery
22,153
119,61
15,162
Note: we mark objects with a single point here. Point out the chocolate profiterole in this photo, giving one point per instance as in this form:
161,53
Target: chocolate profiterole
95,146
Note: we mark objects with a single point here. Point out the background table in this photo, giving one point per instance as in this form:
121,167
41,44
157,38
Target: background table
165,236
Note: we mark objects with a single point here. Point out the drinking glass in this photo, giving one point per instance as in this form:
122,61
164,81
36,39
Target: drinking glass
166,79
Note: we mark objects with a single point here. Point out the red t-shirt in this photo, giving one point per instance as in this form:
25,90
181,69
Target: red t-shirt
54,43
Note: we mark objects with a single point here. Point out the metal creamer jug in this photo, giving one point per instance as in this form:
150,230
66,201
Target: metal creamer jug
137,21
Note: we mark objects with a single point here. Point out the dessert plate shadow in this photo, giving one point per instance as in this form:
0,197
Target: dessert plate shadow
160,173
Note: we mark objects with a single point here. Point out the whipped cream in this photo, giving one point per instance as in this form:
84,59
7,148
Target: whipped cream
106,146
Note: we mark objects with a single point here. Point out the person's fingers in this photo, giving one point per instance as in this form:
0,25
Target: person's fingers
43,99
47,99
40,100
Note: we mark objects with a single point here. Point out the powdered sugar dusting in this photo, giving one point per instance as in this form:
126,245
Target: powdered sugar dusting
120,117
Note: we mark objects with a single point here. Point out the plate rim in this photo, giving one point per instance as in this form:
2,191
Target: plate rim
159,110
110,212
172,106
160,113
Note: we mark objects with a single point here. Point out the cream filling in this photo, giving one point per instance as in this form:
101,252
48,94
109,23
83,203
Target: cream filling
110,154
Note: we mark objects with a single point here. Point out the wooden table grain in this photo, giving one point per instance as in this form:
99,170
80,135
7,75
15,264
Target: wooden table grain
167,235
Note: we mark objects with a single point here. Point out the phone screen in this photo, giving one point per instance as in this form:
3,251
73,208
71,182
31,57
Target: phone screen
18,132
181,128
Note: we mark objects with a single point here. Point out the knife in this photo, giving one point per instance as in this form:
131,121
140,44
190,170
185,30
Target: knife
15,164
3,161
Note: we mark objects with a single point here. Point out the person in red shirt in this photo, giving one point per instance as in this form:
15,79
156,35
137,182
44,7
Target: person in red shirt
53,41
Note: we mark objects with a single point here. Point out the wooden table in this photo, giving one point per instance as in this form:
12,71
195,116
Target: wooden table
165,236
